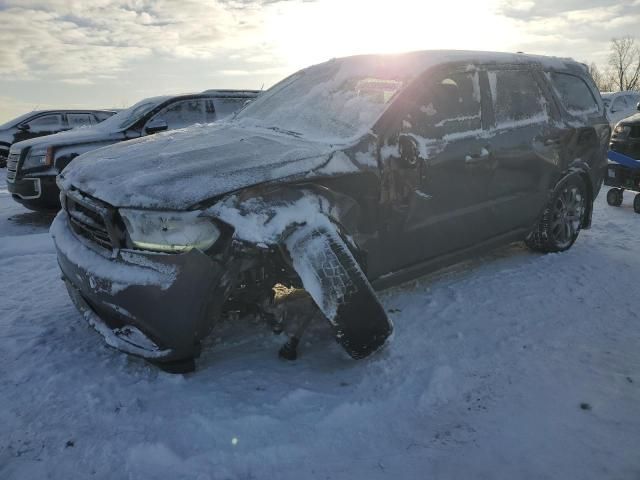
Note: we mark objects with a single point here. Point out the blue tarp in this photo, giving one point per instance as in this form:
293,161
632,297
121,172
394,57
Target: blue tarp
623,160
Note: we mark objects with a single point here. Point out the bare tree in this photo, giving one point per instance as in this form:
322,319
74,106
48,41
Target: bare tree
625,63
602,79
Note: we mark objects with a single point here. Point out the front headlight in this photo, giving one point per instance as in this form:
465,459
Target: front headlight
622,130
169,231
38,157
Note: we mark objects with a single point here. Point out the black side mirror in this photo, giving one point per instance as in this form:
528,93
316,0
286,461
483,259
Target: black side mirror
409,155
25,127
156,125
638,107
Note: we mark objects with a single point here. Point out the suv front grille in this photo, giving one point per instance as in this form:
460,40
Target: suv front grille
12,166
92,221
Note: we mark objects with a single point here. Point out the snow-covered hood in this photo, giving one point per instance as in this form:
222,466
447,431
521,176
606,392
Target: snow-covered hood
178,169
70,137
635,118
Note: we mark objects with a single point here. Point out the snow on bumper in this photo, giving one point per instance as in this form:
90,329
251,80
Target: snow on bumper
152,305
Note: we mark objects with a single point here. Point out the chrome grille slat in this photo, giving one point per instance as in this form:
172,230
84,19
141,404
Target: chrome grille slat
90,220
12,166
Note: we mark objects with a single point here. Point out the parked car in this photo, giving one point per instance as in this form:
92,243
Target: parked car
34,164
625,138
351,175
45,122
619,105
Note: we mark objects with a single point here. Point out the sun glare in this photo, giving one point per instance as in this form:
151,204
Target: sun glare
311,32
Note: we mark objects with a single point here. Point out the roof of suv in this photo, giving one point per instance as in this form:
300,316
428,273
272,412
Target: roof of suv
20,118
233,93
412,63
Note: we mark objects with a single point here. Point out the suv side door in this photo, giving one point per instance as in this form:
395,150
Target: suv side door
435,179
526,146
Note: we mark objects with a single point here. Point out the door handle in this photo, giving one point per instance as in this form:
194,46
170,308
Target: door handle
549,142
477,157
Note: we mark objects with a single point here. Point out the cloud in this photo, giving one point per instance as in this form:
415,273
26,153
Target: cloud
581,29
74,40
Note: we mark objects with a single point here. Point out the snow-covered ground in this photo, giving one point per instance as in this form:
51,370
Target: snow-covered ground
515,366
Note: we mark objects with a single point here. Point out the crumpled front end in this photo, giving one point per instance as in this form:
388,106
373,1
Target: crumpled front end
152,305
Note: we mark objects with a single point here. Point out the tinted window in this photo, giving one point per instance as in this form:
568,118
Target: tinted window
182,114
228,106
619,104
79,119
574,93
632,101
517,97
100,116
449,105
46,123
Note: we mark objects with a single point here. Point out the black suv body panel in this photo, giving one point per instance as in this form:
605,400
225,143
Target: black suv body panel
465,157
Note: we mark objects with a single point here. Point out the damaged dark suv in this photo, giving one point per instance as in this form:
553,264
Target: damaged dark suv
345,177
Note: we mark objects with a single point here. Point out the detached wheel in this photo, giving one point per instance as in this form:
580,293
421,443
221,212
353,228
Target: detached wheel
562,219
614,197
636,203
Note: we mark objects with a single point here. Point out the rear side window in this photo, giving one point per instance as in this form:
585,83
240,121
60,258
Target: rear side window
79,119
574,93
228,106
517,98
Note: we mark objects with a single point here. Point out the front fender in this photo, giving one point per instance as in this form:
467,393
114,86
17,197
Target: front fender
307,223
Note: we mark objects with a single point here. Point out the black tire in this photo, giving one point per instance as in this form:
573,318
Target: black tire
342,292
614,197
562,218
636,203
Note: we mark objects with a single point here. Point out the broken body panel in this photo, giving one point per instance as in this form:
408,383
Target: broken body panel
430,179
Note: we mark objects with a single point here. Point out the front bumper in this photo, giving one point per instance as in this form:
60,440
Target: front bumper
35,191
152,305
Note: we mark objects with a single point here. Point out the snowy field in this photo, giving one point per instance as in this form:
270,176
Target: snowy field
515,366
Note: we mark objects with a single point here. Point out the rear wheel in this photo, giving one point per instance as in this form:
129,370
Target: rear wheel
636,203
562,219
614,197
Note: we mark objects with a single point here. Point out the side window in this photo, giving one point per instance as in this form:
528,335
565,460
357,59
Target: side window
619,104
79,119
632,101
46,123
228,106
450,104
182,114
102,116
574,93
517,98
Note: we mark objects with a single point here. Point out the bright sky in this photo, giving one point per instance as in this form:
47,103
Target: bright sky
112,53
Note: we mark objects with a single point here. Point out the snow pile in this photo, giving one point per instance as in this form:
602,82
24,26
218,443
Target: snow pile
514,366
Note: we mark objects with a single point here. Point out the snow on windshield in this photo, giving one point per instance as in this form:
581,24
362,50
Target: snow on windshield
334,101
131,115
